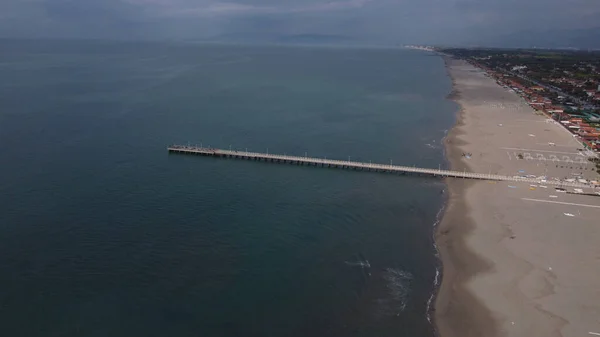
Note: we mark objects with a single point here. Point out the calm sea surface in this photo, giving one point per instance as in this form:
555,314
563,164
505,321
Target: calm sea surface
103,233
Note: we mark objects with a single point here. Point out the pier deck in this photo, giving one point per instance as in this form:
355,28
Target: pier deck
353,165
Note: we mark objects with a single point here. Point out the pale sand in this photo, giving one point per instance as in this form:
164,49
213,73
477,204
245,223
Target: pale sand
514,267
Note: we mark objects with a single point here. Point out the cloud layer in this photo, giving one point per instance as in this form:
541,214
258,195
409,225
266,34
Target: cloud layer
373,21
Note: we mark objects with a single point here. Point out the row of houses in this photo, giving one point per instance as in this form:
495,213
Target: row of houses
589,135
584,125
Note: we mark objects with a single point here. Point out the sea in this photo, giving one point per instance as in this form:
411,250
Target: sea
104,233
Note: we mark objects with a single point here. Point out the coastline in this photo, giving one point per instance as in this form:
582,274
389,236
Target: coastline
507,251
457,262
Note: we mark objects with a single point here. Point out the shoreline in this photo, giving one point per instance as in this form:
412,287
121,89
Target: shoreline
449,238
507,250
432,305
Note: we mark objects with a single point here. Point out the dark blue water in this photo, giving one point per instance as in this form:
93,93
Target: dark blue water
103,233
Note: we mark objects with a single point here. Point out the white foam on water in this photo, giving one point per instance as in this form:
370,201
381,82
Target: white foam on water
398,285
436,283
363,264
438,269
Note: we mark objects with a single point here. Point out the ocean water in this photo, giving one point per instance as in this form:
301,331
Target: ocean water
103,233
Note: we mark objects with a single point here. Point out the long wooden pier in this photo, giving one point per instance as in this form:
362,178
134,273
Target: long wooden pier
353,165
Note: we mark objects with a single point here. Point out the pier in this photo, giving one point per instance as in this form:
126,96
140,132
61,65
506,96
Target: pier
360,166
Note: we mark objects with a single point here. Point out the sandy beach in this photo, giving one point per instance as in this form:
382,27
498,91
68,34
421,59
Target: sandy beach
518,259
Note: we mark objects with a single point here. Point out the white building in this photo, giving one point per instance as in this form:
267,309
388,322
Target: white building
519,68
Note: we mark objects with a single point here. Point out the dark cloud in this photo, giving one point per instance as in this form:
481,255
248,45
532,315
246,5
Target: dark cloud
374,21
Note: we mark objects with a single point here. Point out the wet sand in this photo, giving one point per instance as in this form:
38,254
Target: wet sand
518,260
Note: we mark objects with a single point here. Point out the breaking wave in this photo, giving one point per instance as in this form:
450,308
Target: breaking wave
359,261
438,269
398,285
363,264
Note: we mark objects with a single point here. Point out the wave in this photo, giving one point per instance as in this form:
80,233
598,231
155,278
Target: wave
438,269
363,264
360,261
398,283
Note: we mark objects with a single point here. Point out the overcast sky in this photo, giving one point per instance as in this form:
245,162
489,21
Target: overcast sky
378,21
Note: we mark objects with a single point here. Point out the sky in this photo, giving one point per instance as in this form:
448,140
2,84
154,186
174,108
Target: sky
449,22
